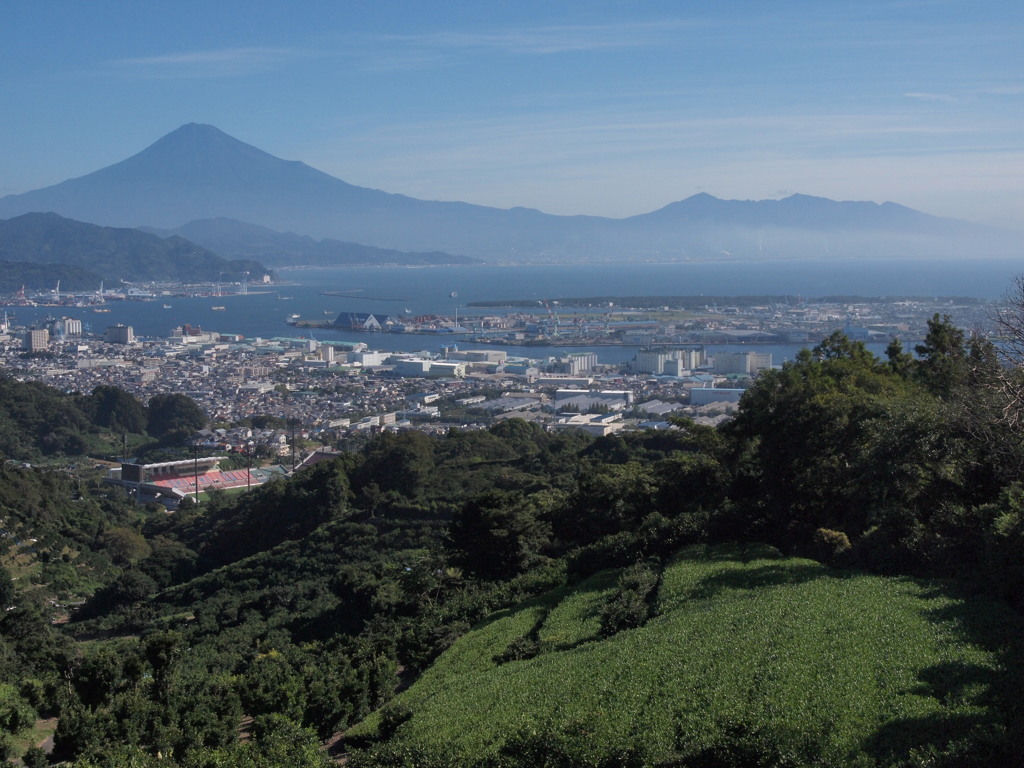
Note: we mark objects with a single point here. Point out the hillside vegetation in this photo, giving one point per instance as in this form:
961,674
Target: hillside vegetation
81,255
832,578
749,659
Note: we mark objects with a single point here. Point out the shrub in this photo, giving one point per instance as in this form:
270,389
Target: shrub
34,757
630,606
523,647
830,547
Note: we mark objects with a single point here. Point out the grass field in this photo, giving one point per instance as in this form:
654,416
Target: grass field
752,659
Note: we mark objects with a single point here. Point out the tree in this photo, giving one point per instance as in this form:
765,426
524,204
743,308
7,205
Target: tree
498,535
272,685
15,712
6,587
607,499
124,545
836,440
35,757
399,462
129,588
901,362
280,741
173,417
942,365
116,409
1009,381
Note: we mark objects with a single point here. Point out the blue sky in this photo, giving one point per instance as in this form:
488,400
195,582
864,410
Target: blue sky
599,107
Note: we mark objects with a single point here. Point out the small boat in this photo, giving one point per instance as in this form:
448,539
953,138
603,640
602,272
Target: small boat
328,312
167,306
101,309
453,294
217,309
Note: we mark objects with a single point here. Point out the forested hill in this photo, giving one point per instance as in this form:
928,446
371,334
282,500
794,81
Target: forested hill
239,240
831,578
107,253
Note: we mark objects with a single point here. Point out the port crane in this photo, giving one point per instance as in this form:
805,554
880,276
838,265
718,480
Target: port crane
554,319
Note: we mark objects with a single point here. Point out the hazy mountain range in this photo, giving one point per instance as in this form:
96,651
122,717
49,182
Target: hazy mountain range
36,249
198,173
239,240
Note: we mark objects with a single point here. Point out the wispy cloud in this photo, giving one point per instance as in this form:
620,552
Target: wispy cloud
580,161
934,97
224,62
1003,90
554,39
411,51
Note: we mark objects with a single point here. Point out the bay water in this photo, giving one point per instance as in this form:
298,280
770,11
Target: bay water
407,292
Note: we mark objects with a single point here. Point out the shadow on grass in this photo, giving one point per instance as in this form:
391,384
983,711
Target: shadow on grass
982,721
531,644
760,577
736,551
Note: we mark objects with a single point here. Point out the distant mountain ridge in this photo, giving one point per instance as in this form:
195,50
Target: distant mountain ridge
801,211
197,172
239,240
111,253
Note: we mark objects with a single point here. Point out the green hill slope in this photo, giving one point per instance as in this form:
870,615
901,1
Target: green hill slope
752,659
85,253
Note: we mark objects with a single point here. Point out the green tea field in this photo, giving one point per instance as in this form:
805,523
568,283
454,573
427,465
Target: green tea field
749,658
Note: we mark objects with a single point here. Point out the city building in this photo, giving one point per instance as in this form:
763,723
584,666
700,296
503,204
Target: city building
650,361
37,339
120,334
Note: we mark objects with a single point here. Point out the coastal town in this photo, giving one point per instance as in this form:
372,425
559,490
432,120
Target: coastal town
332,392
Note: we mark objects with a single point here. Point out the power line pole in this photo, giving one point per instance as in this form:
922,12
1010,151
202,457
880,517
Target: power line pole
293,420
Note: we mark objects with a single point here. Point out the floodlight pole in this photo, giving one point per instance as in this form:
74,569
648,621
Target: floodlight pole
195,466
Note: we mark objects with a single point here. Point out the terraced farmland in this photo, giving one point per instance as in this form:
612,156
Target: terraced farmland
752,659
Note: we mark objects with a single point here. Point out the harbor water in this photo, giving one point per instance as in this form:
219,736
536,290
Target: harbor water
320,294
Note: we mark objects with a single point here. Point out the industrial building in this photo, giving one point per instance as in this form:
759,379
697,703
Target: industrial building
598,425
361,321
419,367
584,400
575,363
669,361
750,363
708,395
